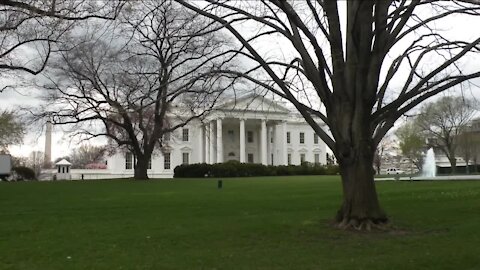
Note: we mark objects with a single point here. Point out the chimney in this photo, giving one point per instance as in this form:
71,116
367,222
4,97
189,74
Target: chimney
48,145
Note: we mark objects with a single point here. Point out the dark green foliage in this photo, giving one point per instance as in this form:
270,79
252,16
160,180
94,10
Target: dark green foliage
24,173
198,169
12,129
237,169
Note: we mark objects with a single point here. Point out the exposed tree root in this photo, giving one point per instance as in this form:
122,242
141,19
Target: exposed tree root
364,225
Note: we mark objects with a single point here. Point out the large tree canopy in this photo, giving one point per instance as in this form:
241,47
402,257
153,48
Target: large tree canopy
125,82
31,29
367,62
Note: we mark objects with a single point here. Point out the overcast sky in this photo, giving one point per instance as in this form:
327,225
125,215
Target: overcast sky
459,27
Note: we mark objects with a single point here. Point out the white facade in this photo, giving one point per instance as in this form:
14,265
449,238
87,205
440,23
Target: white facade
250,129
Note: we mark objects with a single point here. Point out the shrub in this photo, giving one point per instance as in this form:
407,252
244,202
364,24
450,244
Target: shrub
193,170
24,173
237,169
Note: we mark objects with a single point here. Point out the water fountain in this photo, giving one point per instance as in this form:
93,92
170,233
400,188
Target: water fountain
429,168
429,171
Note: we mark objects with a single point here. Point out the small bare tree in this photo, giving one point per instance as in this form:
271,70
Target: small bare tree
469,145
147,77
385,147
443,122
86,154
35,161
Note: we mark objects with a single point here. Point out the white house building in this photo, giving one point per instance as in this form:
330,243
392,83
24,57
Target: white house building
251,129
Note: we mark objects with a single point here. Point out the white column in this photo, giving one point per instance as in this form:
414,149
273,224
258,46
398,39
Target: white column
263,142
242,140
284,143
219,141
200,144
269,144
207,144
273,149
212,140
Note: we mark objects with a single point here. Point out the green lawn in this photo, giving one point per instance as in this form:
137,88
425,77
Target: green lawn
253,223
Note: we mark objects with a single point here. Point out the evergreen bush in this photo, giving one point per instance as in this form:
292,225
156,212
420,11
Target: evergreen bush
237,169
23,173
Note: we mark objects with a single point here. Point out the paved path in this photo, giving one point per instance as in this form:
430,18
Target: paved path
443,177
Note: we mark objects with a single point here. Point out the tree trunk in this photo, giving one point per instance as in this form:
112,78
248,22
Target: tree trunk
453,164
360,208
467,169
475,164
141,168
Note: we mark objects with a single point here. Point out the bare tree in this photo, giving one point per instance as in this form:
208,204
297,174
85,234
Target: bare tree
468,146
145,78
443,121
31,29
35,161
87,154
351,69
384,148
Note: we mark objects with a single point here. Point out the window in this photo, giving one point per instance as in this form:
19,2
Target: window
316,158
302,158
128,161
250,136
149,164
231,135
288,137
68,169
289,159
315,138
166,161
250,158
271,137
58,169
185,134
271,158
302,137
185,158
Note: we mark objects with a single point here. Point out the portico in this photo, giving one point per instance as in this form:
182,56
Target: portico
243,139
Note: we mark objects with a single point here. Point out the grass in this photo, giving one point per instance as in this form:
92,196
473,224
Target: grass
254,223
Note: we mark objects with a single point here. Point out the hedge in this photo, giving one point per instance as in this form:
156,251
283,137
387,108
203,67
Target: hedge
24,173
237,169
